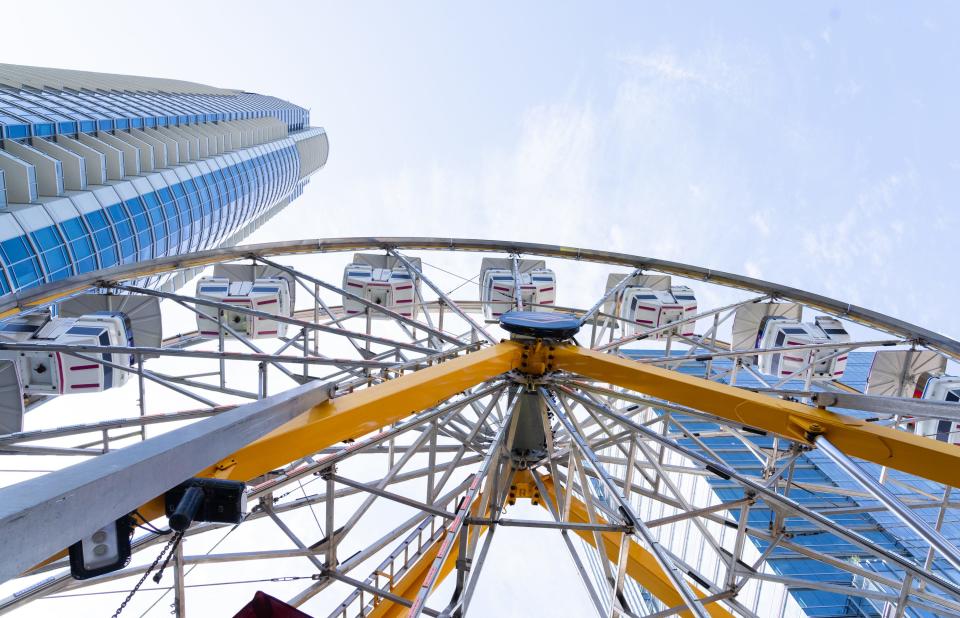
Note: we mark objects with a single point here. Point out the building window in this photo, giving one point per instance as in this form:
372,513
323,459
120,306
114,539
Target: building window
157,223
142,225
21,262
124,231
172,218
102,237
80,245
53,252
189,215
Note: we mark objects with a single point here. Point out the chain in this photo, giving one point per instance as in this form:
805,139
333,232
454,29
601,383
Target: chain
172,543
175,541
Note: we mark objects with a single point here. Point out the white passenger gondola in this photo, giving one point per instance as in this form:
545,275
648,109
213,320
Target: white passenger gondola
260,288
649,302
55,373
766,326
104,321
900,373
498,286
919,374
938,388
382,280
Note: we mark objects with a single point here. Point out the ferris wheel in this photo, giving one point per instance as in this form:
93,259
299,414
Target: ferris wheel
341,427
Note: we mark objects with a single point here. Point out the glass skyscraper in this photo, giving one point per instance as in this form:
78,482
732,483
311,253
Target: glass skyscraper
98,170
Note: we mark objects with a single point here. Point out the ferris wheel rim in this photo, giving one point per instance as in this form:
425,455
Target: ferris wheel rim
16,302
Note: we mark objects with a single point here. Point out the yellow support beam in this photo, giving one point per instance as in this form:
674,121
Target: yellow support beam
357,414
641,564
410,583
918,455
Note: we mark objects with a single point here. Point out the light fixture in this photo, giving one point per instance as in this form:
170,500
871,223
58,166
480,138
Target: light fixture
106,550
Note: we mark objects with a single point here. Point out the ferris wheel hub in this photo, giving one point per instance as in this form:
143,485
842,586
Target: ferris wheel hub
540,325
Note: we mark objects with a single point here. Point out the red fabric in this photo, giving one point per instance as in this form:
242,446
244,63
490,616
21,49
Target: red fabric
265,606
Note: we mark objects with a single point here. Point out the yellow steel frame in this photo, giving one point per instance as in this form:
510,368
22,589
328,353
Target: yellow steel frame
354,415
918,455
357,414
410,583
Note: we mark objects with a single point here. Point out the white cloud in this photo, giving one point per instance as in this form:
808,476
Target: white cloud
713,68
666,66
752,269
848,90
761,222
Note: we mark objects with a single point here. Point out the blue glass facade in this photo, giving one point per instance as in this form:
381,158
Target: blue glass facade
45,113
819,475
155,215
130,169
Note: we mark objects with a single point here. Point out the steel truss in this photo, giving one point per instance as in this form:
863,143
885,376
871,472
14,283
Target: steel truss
379,452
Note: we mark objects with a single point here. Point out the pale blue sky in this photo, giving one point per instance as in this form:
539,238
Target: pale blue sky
815,147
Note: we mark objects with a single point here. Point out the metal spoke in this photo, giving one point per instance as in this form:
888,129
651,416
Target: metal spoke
613,345
639,528
454,528
612,292
448,301
278,318
366,303
884,495
722,470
